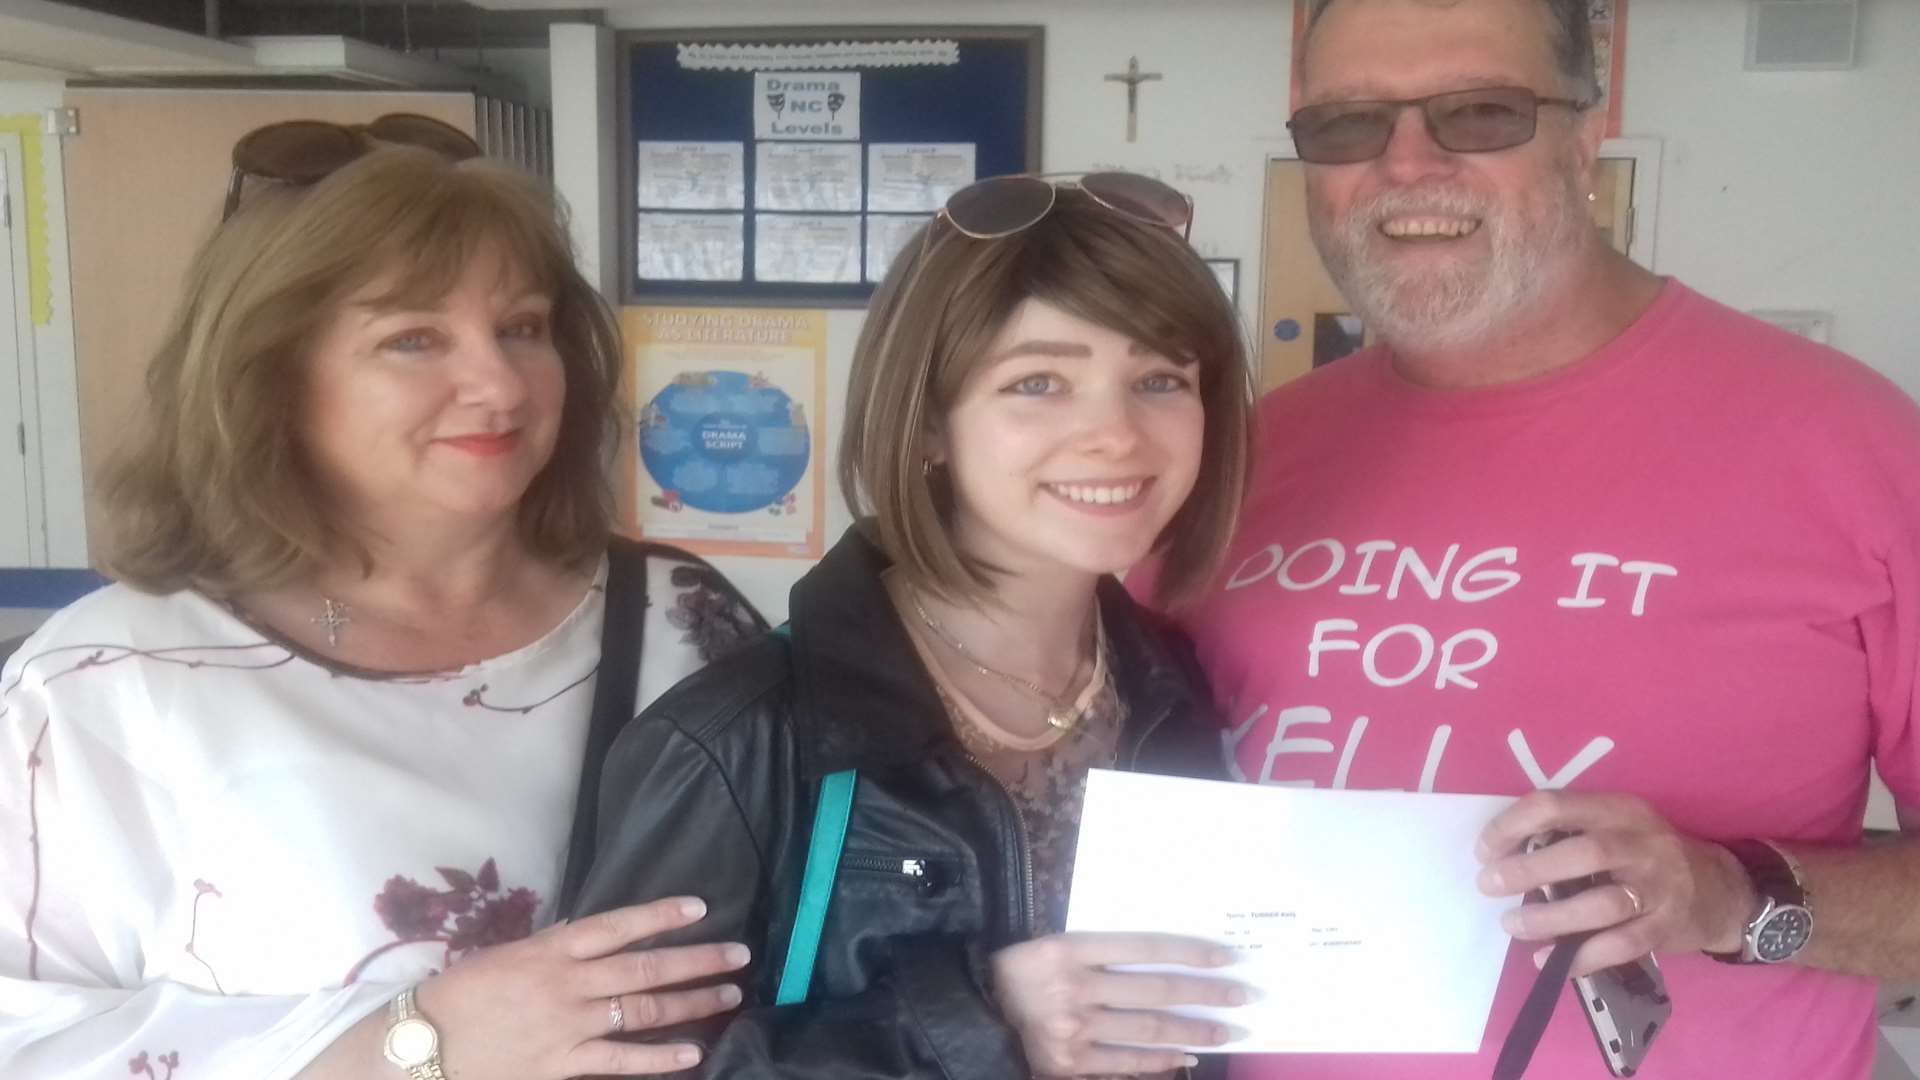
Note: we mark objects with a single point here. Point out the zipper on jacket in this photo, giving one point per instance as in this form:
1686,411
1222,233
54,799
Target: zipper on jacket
1020,837
923,873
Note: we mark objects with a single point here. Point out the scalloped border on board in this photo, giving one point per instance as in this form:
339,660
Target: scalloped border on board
39,269
696,56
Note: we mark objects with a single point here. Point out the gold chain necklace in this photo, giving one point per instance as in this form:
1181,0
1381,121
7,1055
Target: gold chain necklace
1063,715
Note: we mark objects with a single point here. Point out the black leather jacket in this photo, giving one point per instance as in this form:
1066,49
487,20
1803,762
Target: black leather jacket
711,793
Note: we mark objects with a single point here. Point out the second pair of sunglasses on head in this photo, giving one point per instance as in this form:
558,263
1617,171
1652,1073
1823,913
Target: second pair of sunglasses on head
1001,206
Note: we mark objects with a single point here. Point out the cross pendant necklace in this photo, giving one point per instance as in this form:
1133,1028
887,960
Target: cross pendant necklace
333,618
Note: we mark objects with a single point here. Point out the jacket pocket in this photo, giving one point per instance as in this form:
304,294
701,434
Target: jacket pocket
920,873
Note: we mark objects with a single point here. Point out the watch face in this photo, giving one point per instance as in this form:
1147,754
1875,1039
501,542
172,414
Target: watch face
411,1042
1783,934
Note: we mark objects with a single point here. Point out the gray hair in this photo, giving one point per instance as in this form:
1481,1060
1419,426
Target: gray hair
1570,30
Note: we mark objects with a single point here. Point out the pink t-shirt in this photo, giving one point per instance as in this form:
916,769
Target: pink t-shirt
1687,567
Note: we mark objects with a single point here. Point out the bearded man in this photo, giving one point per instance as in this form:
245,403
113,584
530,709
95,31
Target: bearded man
1572,531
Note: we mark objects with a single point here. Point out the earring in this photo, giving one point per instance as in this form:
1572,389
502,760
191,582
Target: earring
926,467
1592,197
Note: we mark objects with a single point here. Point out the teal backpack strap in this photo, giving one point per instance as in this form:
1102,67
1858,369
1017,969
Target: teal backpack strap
816,886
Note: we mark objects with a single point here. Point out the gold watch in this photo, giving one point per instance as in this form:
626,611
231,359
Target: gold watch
413,1043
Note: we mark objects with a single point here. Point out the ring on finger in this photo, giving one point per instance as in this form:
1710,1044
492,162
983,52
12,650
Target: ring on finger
1633,898
616,1015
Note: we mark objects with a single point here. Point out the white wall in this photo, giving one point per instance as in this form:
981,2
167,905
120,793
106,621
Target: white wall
1788,189
1779,190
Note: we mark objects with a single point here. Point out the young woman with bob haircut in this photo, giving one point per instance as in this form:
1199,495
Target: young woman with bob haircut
293,796
1049,386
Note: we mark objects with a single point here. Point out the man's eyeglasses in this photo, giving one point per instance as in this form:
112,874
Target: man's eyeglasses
302,152
1003,205
1463,121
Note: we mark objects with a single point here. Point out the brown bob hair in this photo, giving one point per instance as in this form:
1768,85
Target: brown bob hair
215,492
931,323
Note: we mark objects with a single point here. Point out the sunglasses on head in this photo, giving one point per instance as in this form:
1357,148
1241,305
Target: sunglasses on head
302,152
1462,121
1000,206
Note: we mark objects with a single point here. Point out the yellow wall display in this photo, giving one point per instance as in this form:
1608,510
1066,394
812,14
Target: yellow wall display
727,453
39,269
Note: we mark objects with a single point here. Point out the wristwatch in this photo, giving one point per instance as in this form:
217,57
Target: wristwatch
413,1043
1784,922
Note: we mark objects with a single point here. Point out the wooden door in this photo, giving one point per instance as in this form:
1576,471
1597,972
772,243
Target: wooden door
1302,313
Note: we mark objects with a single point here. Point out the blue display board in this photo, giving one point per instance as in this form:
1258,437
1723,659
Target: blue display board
728,444
988,98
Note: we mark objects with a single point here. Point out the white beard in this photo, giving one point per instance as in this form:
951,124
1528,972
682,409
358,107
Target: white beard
1469,303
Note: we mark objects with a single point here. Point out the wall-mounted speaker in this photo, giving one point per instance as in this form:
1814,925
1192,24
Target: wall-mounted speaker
1801,35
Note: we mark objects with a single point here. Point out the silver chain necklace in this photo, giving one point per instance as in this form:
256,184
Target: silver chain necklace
1063,715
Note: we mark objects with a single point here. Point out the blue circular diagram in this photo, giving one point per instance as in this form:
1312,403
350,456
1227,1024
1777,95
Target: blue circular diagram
724,442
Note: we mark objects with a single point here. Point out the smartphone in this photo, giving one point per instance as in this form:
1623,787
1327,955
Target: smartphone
1627,1004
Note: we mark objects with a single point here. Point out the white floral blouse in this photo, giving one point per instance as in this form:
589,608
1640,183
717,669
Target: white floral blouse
217,855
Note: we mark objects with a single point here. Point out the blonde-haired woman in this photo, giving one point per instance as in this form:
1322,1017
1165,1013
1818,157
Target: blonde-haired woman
293,797
1049,386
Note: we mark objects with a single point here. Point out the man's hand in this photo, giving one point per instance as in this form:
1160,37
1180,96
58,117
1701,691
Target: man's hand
1669,893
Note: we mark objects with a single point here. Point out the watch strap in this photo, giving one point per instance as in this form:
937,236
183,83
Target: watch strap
1777,882
1775,873
404,1007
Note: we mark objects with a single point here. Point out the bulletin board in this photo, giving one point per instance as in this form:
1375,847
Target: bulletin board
783,167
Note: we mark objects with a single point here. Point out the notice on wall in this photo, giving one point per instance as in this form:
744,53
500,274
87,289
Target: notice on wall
728,451
691,175
807,105
807,177
916,178
814,249
887,236
690,247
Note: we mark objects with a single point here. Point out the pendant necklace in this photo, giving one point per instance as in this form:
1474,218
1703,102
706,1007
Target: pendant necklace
1061,714
334,618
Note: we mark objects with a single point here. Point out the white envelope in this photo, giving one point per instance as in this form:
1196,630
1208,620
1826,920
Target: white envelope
1354,913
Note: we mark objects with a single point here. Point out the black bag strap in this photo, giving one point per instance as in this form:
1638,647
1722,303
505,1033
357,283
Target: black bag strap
9,647
622,637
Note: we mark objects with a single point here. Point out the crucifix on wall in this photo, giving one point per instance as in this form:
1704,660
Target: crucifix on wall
1133,77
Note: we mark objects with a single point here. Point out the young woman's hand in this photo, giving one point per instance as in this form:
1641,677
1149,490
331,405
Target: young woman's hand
1076,1015
542,1008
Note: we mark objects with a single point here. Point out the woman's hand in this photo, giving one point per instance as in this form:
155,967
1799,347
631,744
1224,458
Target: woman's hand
542,1007
1076,1016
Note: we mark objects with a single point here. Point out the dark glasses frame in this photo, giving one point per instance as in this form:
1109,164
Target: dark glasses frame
303,152
1000,206
1309,126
